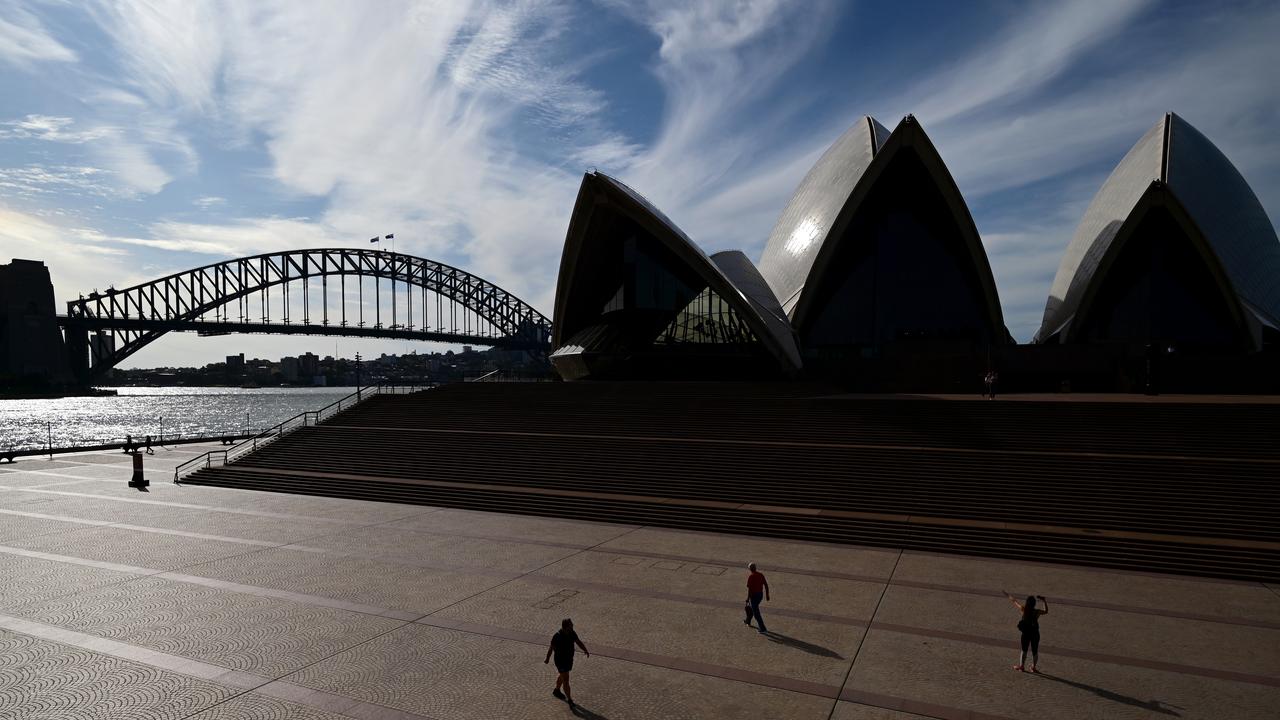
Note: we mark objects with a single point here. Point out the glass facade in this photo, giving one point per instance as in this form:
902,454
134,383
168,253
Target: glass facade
1159,289
650,304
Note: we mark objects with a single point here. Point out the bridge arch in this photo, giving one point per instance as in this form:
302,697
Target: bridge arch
452,305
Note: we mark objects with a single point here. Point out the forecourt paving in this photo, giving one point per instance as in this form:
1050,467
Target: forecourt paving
204,602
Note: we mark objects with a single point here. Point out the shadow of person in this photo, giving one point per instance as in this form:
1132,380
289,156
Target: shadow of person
802,645
586,714
1157,706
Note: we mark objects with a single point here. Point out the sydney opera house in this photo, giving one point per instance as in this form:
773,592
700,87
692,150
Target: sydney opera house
875,275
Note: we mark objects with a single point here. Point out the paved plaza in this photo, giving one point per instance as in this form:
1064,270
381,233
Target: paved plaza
204,603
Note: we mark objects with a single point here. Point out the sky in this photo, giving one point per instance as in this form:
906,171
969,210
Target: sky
139,139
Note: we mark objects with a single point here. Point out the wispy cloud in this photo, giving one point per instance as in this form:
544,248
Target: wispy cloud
33,180
209,201
24,41
50,128
1036,47
129,153
717,165
77,260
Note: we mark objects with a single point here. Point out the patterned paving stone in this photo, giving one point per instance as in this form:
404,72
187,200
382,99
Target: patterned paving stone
14,478
1237,648
1187,595
41,680
28,579
129,547
352,579
739,550
105,510
828,596
260,635
252,706
18,526
807,650
398,544
854,711
23,500
979,678
448,674
104,458
248,527
484,524
355,511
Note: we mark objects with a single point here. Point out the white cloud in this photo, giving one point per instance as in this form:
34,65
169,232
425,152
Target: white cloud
209,201
77,258
129,153
717,63
50,128
33,180
247,237
24,40
171,48
1036,48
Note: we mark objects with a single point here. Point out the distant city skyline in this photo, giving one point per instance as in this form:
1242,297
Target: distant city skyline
138,141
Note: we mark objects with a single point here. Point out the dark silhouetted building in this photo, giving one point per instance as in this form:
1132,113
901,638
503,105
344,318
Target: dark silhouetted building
31,347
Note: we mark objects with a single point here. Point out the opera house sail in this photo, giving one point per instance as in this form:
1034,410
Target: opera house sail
637,298
877,248
1174,251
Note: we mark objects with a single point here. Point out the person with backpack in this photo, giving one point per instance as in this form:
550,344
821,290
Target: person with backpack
1029,626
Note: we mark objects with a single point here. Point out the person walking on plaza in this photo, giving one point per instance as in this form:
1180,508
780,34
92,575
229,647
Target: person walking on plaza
757,590
1029,626
562,647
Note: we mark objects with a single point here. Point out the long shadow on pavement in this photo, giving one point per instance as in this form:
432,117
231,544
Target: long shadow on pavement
1158,706
586,714
802,645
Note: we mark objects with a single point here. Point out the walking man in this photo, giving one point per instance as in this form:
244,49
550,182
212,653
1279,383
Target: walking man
562,647
757,590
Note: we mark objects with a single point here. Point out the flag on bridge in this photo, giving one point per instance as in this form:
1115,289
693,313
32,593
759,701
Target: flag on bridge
390,236
374,240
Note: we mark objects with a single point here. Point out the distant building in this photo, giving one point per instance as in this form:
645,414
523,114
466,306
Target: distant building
31,345
308,365
289,369
235,363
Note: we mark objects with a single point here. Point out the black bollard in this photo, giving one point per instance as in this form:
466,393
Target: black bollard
139,480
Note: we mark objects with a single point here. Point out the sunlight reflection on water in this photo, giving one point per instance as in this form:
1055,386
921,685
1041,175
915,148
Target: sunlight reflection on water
138,411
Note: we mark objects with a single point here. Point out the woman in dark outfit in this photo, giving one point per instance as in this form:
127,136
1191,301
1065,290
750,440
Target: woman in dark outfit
562,646
1029,626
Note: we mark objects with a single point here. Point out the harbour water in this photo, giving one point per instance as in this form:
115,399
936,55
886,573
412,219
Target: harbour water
140,411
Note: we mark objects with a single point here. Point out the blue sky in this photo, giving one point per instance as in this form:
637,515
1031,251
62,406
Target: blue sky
142,139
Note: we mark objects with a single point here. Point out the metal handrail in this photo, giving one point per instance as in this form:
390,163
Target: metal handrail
307,418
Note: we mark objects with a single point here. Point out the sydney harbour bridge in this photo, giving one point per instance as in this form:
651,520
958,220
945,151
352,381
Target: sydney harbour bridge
327,291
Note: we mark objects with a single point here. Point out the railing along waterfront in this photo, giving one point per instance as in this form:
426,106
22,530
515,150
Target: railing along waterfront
307,418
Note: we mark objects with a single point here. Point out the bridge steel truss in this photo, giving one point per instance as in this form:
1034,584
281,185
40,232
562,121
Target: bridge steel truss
452,305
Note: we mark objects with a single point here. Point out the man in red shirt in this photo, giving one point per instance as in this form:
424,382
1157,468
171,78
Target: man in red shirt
757,590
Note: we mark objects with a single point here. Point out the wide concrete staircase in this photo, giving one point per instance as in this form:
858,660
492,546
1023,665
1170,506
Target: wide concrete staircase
1170,487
